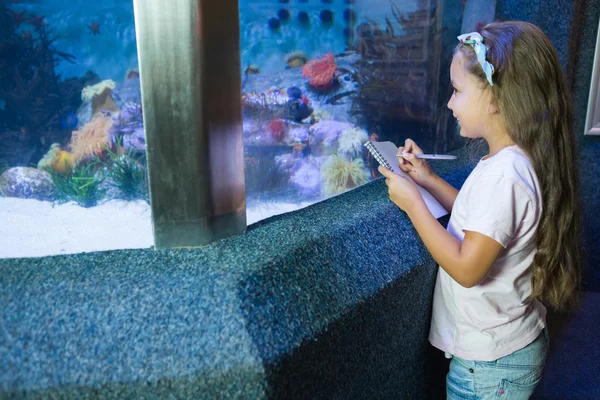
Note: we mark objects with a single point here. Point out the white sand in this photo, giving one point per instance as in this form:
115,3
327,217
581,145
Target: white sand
33,228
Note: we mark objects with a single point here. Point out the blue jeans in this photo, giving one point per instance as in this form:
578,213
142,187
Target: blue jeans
513,377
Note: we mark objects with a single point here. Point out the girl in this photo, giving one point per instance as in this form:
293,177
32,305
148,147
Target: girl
512,242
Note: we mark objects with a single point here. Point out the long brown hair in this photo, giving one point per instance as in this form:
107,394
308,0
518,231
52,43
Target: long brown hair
532,98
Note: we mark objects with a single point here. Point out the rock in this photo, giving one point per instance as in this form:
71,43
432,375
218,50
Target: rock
275,104
129,125
84,113
27,183
136,141
260,134
128,91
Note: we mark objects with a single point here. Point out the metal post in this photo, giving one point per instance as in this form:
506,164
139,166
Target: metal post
189,61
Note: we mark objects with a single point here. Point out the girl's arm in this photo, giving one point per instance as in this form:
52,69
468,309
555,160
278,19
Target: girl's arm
444,192
469,262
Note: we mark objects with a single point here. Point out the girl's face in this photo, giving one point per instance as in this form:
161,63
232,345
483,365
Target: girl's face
469,103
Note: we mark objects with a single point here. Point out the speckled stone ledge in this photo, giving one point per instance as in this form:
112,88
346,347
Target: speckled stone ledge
329,301
220,319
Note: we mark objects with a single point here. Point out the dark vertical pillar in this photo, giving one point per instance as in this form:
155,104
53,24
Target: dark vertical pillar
189,61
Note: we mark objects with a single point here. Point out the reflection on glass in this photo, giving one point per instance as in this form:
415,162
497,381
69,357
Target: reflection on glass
320,78
72,156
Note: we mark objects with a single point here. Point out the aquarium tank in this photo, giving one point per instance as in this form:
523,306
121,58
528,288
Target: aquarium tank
319,79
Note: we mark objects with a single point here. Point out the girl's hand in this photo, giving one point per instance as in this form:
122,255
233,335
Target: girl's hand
403,192
415,167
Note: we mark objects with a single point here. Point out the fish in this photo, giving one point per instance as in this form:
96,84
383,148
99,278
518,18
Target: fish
69,121
252,70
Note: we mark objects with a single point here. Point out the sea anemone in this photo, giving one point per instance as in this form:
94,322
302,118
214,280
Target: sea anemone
277,128
351,140
295,59
58,160
324,135
321,72
307,178
100,95
92,139
338,175
89,92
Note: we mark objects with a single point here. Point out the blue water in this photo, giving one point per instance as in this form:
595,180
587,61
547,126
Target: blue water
285,155
112,51
265,47
109,54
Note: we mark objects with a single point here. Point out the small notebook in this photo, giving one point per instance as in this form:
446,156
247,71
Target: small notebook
385,154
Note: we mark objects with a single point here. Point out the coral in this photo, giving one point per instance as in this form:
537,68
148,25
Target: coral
351,140
92,139
129,124
319,115
324,136
100,95
277,128
34,97
339,175
296,59
89,92
307,178
60,161
321,72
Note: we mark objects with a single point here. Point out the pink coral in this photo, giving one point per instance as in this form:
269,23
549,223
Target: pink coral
277,128
320,72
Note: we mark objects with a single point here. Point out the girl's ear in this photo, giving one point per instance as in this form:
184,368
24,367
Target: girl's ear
493,108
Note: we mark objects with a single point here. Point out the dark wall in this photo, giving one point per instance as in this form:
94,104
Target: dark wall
572,26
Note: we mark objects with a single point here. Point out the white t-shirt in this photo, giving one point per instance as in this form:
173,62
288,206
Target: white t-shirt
501,199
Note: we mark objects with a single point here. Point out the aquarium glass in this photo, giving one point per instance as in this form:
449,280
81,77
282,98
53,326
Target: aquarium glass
322,77
72,157
319,78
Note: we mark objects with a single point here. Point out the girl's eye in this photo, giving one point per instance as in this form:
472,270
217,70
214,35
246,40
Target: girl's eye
454,91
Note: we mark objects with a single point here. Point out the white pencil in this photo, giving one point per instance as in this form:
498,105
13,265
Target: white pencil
430,156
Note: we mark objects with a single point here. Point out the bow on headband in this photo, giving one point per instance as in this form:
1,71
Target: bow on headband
476,41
